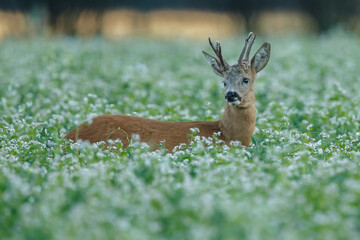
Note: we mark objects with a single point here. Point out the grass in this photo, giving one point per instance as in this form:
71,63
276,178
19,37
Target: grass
299,179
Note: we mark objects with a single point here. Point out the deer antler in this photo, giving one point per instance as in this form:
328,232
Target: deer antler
249,40
217,50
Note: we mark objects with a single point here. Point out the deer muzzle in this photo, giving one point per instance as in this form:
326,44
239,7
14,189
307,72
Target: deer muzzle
232,97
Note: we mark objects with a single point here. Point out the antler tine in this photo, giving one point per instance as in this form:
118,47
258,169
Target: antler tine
243,52
212,46
217,50
251,39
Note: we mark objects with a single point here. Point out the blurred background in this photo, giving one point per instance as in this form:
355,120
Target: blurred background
178,18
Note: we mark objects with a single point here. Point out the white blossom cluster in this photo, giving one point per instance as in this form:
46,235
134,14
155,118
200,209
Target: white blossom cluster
299,179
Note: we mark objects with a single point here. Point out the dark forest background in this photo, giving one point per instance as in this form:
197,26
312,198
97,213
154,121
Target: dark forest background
325,13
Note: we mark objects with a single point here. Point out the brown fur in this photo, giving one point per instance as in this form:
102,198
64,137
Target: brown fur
238,122
153,132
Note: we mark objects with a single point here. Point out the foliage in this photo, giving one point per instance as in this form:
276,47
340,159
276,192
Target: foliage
298,180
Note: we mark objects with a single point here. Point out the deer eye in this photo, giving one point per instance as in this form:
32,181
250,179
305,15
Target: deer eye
224,84
246,81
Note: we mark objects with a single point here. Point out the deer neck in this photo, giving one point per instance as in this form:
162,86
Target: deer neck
238,124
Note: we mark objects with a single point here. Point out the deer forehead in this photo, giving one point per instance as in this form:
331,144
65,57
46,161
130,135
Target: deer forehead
235,73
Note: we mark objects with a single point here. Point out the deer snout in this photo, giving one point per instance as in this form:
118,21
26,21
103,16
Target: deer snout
232,97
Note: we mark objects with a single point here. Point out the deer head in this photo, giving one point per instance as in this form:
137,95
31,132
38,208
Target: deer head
239,78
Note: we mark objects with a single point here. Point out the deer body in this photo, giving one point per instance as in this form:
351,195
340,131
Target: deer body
153,132
237,123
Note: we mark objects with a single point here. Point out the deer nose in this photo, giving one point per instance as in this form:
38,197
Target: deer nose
232,97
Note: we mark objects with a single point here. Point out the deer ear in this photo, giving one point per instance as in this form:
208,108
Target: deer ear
215,64
261,57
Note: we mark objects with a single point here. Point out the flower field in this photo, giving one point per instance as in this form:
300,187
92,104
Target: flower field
299,179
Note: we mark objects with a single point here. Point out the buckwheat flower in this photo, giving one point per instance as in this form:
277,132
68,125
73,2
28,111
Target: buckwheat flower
194,130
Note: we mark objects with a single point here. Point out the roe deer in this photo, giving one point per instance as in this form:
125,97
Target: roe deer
237,123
